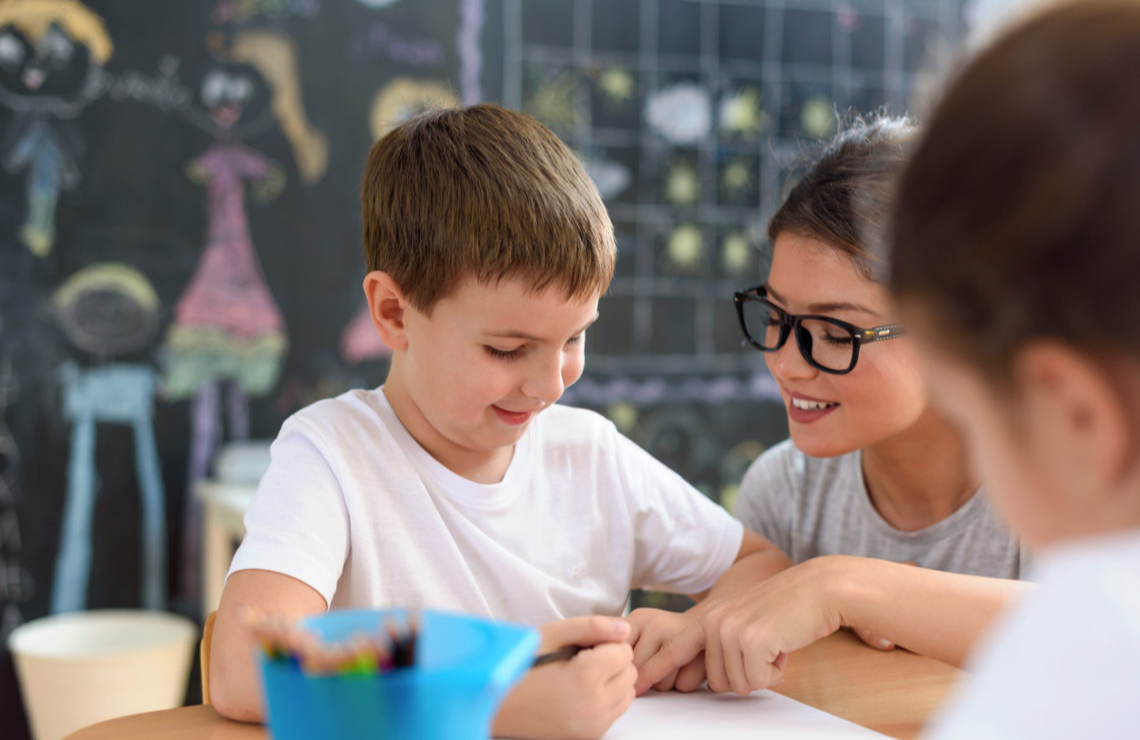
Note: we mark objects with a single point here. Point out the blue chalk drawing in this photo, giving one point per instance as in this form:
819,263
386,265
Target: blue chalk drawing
51,168
117,394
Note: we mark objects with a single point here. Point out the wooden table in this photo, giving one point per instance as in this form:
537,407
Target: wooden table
892,693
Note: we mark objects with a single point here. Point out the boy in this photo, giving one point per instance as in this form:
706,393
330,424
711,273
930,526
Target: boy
459,484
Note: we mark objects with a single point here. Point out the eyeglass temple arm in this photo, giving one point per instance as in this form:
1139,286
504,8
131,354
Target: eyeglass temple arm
879,333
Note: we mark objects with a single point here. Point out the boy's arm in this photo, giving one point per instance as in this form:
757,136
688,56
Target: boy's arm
235,686
747,637
757,559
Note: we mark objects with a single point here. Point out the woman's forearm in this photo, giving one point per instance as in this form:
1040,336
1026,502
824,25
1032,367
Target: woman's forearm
930,612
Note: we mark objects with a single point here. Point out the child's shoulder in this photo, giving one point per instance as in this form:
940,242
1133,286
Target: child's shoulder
347,413
572,423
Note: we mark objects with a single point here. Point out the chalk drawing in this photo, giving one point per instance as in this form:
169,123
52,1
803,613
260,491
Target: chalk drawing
380,40
403,98
108,309
740,113
685,247
681,113
611,178
164,90
736,254
50,54
552,99
228,333
243,11
818,117
472,15
682,183
360,341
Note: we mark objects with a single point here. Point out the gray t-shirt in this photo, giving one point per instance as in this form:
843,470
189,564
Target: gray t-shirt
810,506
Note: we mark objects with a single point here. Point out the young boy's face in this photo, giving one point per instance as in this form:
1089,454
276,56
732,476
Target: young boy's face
487,359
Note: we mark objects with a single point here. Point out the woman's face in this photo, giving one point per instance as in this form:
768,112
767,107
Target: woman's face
884,395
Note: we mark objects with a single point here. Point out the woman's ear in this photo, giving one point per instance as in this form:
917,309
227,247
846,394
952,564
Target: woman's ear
386,306
1074,407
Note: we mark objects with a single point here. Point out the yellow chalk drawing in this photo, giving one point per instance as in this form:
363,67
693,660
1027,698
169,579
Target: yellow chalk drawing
553,103
35,17
624,416
740,113
113,277
686,247
817,116
617,84
737,175
682,184
275,57
736,253
403,98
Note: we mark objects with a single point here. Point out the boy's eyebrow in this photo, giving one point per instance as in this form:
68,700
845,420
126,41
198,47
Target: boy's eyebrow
510,334
824,307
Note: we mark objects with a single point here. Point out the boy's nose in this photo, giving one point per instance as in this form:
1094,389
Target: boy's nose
544,381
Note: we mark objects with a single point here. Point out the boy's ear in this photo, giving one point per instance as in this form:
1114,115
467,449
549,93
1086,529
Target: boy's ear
386,306
1076,407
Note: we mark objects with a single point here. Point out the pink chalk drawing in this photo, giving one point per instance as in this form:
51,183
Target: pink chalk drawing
228,331
359,341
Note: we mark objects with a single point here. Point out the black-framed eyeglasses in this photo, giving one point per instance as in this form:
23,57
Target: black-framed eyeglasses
827,344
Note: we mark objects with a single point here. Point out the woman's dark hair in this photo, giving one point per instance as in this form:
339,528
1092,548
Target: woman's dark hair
1018,216
845,195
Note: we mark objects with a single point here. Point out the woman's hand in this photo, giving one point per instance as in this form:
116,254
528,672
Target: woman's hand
746,638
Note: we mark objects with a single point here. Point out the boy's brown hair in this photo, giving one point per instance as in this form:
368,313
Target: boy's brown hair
844,197
1019,214
482,192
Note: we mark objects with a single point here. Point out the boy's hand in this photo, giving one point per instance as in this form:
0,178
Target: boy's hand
650,629
747,638
576,699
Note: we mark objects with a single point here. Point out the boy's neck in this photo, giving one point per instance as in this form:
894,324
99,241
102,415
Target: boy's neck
479,466
918,477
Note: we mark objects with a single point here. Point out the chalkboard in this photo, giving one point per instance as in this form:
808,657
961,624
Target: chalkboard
180,234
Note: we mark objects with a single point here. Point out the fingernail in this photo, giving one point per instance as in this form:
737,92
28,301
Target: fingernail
621,628
885,644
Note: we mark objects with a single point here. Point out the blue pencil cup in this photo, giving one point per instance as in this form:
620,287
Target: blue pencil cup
464,667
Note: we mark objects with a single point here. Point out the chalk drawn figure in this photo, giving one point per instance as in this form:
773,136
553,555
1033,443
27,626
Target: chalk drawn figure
108,310
228,332
51,53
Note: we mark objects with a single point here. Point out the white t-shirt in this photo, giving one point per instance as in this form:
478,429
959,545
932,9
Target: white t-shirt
353,506
1066,662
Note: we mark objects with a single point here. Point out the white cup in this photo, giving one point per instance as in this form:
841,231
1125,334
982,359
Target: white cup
85,667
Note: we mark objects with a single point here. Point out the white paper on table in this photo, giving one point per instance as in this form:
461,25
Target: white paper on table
671,715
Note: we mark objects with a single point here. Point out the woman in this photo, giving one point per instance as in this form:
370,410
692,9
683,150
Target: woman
873,480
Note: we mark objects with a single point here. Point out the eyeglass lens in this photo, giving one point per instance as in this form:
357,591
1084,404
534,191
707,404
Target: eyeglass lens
827,344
